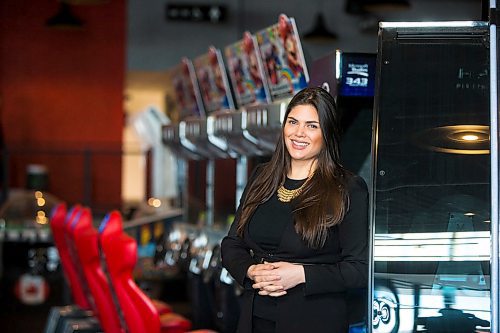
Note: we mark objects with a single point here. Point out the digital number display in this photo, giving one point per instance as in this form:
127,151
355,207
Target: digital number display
357,76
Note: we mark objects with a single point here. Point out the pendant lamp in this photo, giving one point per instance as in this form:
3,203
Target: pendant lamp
320,32
64,19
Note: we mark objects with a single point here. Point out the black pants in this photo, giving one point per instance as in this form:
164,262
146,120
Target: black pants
260,325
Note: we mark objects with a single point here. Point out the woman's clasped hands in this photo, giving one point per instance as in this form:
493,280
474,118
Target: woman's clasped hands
274,279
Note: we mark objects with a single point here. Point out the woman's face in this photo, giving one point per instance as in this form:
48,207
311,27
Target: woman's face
302,133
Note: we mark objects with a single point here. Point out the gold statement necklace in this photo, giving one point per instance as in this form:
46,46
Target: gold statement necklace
286,195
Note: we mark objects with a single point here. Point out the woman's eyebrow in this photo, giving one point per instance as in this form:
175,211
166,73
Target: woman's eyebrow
307,121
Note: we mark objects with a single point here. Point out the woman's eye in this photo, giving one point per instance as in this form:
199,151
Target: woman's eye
292,122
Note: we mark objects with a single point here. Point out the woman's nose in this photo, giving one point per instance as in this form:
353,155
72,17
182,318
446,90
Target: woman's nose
300,130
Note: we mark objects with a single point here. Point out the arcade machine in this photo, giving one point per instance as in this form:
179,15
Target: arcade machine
431,199
350,78
217,99
355,91
250,89
285,73
173,251
31,272
189,105
355,74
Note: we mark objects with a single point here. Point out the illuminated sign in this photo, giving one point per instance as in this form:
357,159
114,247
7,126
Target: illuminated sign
357,74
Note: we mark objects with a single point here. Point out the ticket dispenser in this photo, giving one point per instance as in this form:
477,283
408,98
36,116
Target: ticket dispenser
217,97
172,139
431,178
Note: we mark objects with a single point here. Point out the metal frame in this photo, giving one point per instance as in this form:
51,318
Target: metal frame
494,279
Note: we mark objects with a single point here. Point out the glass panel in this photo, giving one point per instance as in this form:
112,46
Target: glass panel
432,186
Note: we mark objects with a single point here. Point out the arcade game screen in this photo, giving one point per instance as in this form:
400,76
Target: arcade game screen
283,59
246,72
357,74
187,93
214,85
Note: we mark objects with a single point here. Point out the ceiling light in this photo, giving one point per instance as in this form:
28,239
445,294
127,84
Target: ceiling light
64,19
456,139
470,137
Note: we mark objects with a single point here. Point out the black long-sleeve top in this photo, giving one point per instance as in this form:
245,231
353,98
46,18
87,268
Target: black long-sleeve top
266,228
318,305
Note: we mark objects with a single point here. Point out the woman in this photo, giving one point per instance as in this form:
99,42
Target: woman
299,239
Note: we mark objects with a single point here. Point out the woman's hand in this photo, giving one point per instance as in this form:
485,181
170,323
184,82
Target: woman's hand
261,272
275,281
290,274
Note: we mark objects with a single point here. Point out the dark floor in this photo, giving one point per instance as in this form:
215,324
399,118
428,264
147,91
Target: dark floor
30,319
16,317
33,319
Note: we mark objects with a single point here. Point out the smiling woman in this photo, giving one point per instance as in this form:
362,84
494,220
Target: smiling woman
299,240
303,138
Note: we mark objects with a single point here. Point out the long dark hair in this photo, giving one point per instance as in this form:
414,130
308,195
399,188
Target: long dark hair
323,201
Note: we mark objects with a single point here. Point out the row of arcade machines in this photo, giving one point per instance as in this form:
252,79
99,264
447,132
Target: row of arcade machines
208,133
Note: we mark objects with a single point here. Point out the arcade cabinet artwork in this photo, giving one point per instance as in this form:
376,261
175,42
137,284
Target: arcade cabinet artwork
214,85
187,92
245,71
283,58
